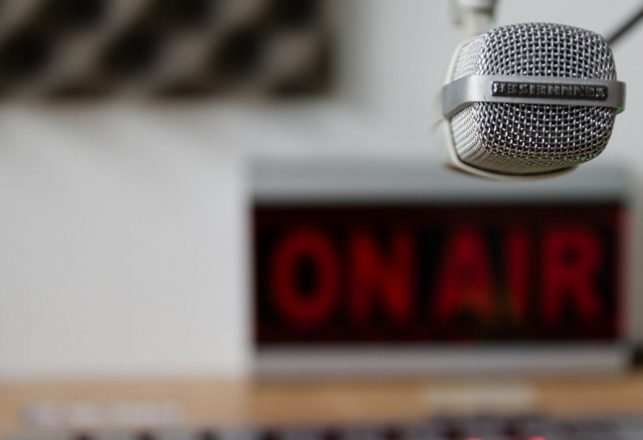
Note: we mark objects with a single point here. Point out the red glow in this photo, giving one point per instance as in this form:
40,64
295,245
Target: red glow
384,277
312,307
465,279
571,259
437,273
517,246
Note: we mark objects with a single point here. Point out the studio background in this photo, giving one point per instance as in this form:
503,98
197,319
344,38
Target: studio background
124,224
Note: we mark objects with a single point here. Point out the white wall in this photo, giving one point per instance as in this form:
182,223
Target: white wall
122,229
121,247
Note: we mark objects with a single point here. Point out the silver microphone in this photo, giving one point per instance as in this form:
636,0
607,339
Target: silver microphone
530,100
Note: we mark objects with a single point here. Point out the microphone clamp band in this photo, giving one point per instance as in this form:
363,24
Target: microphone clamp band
544,90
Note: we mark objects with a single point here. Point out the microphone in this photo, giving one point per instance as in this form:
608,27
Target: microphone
530,100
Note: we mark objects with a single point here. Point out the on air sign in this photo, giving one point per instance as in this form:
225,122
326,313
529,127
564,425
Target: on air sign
426,273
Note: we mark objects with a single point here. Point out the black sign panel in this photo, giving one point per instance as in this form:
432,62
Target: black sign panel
428,273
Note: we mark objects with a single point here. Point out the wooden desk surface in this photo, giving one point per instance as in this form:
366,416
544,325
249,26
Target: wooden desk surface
206,401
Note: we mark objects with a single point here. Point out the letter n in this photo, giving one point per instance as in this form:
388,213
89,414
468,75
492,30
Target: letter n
383,277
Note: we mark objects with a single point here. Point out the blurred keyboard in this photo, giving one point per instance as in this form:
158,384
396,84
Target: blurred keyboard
165,48
445,428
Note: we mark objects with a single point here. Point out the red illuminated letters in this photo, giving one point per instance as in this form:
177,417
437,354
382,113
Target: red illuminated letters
517,264
570,259
552,277
465,278
311,307
386,276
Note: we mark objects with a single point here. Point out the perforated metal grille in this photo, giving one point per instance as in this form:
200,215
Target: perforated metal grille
532,138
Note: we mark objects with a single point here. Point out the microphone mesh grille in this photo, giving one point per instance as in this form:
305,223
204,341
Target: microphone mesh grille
533,138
